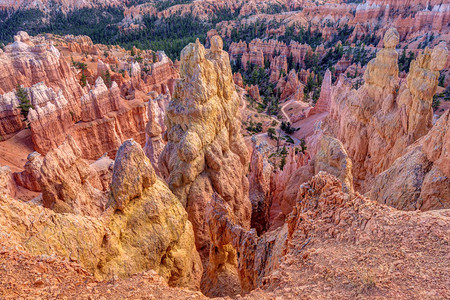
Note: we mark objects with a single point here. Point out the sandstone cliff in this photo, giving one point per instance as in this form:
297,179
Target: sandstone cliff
98,115
205,152
324,154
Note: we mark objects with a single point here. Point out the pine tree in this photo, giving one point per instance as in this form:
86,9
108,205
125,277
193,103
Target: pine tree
25,103
107,79
83,80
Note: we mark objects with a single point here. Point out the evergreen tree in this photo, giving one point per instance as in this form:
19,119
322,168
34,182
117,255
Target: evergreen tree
25,103
107,79
83,80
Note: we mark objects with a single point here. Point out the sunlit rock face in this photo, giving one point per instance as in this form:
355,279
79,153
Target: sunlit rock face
420,179
205,155
205,151
143,225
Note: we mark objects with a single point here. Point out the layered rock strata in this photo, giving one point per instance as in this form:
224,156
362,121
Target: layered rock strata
260,179
205,153
64,179
324,102
326,221
155,143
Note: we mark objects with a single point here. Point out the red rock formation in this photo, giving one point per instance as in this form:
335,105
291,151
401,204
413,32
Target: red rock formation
27,65
260,180
63,179
293,90
205,153
27,178
10,116
237,78
253,91
420,179
326,221
81,44
155,129
324,153
7,184
252,58
144,227
99,101
277,67
324,102
101,121
106,134
194,161
367,121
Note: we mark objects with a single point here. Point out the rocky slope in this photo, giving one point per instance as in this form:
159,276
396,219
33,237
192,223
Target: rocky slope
326,222
419,179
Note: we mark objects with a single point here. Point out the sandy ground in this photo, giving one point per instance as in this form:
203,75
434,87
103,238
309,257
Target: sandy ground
14,151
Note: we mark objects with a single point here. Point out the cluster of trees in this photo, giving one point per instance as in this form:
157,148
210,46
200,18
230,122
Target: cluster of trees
302,36
255,75
163,4
404,62
169,34
254,127
286,127
342,35
313,87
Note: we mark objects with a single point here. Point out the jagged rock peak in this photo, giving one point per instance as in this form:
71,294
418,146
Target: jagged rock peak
205,152
133,172
391,38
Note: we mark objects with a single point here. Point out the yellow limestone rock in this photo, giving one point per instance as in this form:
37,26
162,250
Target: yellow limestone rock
144,228
205,152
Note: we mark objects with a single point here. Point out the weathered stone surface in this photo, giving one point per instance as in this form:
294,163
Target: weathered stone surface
151,231
7,184
420,179
205,147
155,143
63,179
324,154
260,180
324,102
99,101
326,221
205,152
293,90
132,174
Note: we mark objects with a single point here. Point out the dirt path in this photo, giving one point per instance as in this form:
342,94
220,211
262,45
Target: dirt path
283,112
